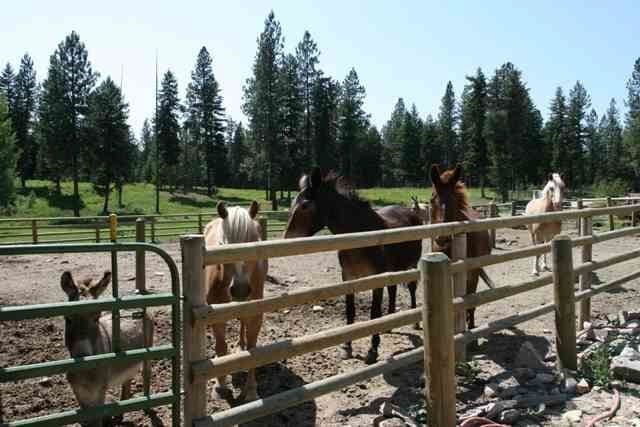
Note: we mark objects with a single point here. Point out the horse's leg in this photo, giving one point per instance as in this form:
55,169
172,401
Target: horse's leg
392,290
253,325
376,311
412,291
536,259
221,348
472,287
350,304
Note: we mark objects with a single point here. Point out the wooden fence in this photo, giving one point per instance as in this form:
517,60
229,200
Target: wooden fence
443,307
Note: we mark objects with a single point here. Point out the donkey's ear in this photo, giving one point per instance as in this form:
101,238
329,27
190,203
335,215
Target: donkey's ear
222,210
316,178
69,286
435,174
98,288
253,209
457,174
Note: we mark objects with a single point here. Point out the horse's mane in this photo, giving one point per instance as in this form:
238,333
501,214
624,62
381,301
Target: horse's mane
345,188
237,227
460,191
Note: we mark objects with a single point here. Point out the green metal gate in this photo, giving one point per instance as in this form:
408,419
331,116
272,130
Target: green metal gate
114,304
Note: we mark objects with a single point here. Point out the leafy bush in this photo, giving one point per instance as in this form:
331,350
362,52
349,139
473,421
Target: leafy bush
611,188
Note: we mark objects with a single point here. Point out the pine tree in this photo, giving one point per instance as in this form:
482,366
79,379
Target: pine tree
325,98
147,160
262,102
292,115
111,151
611,134
351,122
431,150
371,157
26,94
411,158
205,122
556,132
579,103
238,151
8,87
8,155
77,79
393,136
307,54
632,122
472,122
593,149
448,120
169,129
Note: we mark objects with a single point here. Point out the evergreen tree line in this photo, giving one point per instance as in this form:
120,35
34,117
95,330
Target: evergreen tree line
71,126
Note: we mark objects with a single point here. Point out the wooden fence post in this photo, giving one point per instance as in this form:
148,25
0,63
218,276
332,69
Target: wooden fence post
439,351
98,231
153,230
513,208
141,283
634,214
195,395
113,227
579,205
34,231
611,224
263,228
564,298
584,314
459,252
493,213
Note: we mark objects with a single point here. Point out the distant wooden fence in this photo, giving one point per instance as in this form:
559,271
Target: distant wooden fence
443,307
157,228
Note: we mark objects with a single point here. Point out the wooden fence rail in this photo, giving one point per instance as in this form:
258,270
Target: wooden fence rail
442,307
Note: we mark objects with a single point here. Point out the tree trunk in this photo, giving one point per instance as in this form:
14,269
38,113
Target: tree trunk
23,181
58,189
105,207
120,195
482,194
274,201
76,193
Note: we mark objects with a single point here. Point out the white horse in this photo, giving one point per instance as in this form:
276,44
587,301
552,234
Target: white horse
551,201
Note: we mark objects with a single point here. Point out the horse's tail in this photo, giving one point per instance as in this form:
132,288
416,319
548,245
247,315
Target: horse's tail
487,279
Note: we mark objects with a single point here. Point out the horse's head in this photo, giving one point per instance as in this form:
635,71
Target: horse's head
555,190
307,214
239,226
445,197
81,330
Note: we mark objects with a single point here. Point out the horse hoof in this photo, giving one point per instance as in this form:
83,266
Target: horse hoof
372,357
417,327
535,273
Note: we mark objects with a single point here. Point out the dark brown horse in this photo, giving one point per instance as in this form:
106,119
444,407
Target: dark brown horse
449,202
330,201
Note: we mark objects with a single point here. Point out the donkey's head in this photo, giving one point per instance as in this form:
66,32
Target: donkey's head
82,329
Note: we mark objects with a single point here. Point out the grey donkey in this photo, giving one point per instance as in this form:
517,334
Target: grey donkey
88,334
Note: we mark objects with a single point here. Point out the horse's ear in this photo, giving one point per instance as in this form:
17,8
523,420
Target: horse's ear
550,177
222,210
435,174
457,174
69,286
304,182
316,177
253,209
97,289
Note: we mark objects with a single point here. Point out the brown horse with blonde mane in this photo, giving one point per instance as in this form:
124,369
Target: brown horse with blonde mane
238,281
449,202
331,201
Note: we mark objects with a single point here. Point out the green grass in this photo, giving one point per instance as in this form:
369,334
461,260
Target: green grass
40,199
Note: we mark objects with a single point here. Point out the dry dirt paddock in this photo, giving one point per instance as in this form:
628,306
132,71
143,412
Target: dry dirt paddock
35,279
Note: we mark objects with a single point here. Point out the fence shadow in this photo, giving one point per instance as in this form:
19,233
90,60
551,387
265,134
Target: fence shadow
272,379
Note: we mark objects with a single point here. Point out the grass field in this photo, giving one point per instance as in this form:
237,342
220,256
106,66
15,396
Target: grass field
39,199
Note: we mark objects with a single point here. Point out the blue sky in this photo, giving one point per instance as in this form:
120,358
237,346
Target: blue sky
407,49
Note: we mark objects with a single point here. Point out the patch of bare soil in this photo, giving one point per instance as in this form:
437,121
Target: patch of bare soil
35,279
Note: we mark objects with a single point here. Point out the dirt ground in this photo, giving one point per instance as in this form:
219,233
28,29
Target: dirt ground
35,279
